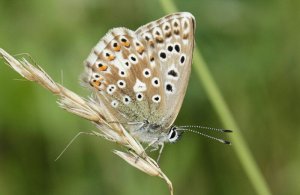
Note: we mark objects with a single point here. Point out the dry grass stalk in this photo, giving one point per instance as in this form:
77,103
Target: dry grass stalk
88,109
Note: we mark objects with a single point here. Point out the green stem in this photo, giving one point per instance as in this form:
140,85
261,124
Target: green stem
219,104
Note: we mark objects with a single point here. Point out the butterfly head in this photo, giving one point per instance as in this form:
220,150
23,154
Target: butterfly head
174,135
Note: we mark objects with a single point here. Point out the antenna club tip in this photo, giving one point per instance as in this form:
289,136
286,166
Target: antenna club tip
227,142
227,131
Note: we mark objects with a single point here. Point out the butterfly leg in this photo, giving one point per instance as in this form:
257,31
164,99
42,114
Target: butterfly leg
160,151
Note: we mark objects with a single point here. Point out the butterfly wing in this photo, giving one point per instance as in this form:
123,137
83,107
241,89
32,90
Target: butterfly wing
143,75
169,43
114,71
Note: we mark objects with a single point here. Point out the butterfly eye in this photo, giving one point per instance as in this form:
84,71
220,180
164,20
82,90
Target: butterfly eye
173,135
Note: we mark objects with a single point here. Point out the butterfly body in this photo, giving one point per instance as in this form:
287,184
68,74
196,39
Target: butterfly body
140,77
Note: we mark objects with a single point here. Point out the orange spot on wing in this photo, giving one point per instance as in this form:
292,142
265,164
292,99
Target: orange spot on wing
111,57
117,48
103,68
97,83
126,43
140,49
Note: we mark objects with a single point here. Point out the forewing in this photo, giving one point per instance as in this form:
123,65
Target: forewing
169,44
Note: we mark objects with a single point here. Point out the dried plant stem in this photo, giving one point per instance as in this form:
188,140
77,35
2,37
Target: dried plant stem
92,111
217,100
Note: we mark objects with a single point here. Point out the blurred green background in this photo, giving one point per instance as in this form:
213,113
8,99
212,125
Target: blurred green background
252,49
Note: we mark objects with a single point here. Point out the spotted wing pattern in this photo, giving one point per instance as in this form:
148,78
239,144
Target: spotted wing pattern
143,75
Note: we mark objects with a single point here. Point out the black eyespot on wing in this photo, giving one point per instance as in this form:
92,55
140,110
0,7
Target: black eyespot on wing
163,55
173,73
169,87
133,58
177,48
182,59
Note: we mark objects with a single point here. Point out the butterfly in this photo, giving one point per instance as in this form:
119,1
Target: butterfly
140,77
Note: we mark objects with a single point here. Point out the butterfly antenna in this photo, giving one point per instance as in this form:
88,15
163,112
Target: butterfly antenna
208,128
70,143
205,135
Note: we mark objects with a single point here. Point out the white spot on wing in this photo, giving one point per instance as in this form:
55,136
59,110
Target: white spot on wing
111,89
139,86
114,103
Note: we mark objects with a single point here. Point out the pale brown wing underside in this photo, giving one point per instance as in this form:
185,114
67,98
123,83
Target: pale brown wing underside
143,75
